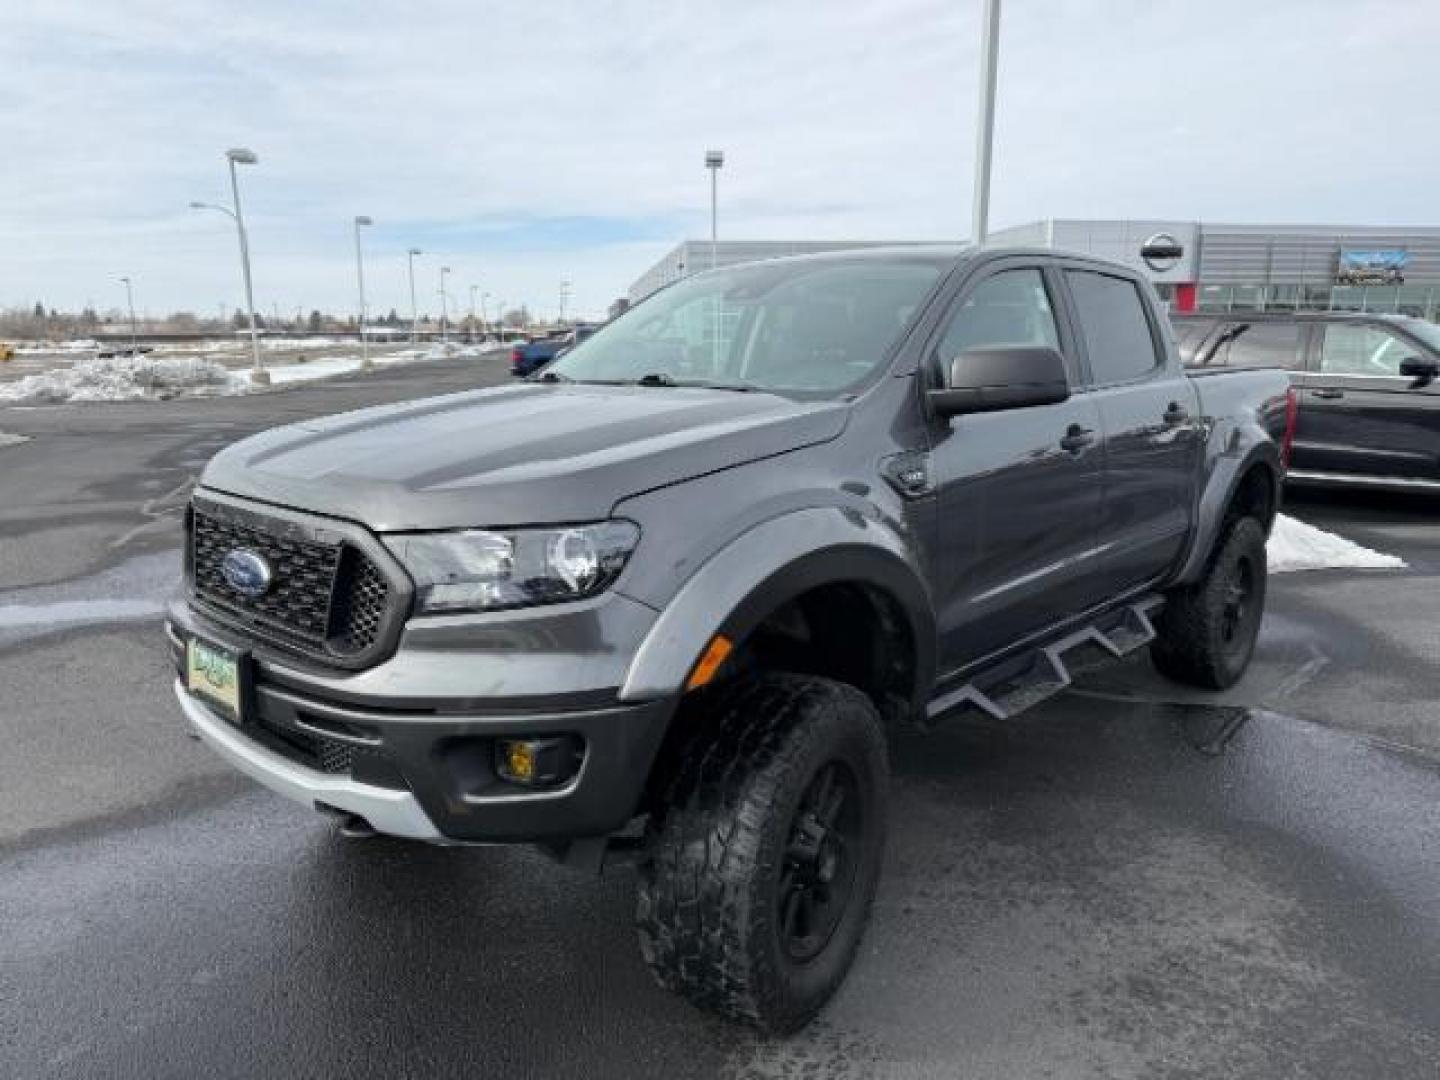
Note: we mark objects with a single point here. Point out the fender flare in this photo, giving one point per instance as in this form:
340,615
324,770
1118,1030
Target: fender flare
764,567
1250,446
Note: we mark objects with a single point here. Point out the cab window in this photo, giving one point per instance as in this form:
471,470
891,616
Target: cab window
1362,350
1009,308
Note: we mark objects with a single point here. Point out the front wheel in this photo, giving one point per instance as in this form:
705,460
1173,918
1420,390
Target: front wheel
1206,634
763,858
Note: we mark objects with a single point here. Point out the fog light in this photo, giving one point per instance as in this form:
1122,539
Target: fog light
537,762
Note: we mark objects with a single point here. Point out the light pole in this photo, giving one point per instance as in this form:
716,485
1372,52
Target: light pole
362,220
130,303
714,159
484,318
564,295
444,312
241,156
471,335
985,127
414,310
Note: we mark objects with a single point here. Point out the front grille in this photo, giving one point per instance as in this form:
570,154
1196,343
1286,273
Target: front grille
327,597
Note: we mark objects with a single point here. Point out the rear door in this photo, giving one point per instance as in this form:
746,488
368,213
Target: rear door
1152,435
1019,491
1358,415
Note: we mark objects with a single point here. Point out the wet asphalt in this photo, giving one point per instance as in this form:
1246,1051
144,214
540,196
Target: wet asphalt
1132,881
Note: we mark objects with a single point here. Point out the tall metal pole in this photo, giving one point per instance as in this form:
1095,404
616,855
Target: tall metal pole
444,313
714,159
130,303
484,316
985,128
361,219
414,309
258,373
471,335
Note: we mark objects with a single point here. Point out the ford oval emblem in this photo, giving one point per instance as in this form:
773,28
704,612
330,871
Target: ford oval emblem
247,573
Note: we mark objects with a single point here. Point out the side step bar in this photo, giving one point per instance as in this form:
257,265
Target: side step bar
1009,687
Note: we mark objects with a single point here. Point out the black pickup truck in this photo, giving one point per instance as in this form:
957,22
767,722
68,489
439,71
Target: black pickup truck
1367,385
666,599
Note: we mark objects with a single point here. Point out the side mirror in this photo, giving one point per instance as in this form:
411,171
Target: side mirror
1000,377
1420,368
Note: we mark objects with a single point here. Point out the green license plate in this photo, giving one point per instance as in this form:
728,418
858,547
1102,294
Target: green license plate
213,673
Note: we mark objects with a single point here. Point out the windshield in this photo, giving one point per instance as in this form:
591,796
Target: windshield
803,327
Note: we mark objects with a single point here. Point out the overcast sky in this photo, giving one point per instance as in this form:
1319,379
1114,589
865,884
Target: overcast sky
525,142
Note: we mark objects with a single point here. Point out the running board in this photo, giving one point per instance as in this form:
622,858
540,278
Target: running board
1009,687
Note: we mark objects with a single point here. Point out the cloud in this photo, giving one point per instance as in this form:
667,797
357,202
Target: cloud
523,143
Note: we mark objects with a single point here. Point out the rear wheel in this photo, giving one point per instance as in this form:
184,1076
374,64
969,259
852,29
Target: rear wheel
762,863
1206,634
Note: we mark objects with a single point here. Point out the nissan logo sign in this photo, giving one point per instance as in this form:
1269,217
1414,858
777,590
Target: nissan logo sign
1161,252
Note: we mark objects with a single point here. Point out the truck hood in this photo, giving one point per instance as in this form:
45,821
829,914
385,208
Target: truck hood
526,454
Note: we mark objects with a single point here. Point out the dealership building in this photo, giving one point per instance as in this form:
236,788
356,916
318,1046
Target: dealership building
1225,266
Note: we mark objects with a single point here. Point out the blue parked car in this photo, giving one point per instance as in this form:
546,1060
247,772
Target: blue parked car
526,358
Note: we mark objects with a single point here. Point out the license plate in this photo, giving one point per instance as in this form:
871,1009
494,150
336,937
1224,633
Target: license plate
213,672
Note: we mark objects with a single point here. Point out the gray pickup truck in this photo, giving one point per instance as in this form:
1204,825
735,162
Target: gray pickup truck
665,600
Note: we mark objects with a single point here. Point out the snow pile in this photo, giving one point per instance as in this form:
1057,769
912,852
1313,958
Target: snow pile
1295,545
122,378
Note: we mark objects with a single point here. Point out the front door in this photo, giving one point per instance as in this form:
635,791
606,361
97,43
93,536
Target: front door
1358,415
1019,491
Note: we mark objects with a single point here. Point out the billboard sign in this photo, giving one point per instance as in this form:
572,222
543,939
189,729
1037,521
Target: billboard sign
1372,266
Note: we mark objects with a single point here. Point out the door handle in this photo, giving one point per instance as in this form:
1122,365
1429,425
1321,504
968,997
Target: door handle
1328,393
1077,438
1176,414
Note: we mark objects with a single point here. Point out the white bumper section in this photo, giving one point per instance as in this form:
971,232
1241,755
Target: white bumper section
397,813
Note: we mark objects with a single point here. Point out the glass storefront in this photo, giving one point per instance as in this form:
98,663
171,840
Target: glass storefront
1422,301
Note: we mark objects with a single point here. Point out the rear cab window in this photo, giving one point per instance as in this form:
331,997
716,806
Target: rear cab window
1115,326
1267,343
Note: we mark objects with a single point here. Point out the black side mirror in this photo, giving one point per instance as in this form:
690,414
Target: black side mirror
1420,368
1000,377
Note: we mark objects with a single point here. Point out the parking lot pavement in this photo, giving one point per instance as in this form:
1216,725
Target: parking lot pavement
1120,884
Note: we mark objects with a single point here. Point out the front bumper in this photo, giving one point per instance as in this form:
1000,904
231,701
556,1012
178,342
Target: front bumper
425,769
397,813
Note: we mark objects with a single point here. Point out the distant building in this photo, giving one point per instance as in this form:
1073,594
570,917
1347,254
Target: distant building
1225,266
1266,267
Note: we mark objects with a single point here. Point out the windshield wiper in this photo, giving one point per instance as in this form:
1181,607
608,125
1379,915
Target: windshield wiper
664,378
553,376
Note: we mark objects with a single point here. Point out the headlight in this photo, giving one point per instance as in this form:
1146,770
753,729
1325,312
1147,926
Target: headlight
474,570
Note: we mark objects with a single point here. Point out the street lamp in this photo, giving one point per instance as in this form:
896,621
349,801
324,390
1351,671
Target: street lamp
564,295
985,128
130,303
714,159
362,220
414,310
484,318
471,335
444,312
241,156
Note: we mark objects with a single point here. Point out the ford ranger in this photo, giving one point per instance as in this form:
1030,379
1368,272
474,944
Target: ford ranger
665,599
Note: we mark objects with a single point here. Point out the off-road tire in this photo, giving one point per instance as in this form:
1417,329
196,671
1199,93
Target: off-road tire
708,907
1201,638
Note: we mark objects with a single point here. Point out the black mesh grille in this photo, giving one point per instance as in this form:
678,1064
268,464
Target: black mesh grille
313,751
361,608
328,599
